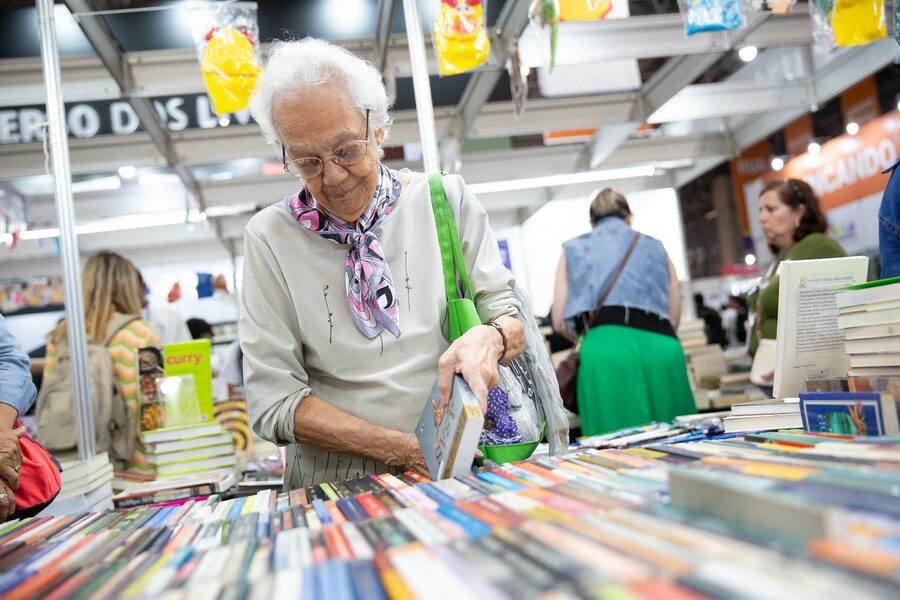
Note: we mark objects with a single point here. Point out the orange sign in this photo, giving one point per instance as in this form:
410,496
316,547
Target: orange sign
798,135
848,168
860,103
753,162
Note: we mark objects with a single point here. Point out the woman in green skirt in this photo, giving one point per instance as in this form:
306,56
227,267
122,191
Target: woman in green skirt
632,367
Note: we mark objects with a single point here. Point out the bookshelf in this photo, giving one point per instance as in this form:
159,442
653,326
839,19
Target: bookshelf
764,515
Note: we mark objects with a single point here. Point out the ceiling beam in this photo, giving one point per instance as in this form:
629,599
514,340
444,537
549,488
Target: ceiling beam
732,98
113,58
510,23
655,36
383,32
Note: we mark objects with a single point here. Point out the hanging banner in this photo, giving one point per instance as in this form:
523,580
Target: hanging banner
798,135
860,103
848,168
753,162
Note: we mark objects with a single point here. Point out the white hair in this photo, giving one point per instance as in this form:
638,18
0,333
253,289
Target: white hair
296,67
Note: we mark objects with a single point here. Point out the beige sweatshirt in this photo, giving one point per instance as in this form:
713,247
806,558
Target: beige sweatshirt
299,338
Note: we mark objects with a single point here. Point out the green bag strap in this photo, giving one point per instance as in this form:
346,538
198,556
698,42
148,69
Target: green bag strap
452,259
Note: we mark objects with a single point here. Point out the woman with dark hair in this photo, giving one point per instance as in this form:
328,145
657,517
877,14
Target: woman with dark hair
794,226
632,367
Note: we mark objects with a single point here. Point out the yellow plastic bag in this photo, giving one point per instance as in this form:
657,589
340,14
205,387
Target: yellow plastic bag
857,22
460,38
230,69
583,10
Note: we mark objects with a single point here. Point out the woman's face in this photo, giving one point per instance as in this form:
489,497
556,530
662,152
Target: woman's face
317,123
778,219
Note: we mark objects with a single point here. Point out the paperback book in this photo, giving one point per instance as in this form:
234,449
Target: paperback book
448,434
850,413
810,343
193,358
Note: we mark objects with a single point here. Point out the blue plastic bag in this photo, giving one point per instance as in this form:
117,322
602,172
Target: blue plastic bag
710,15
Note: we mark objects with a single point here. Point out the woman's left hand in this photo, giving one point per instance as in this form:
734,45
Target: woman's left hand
474,356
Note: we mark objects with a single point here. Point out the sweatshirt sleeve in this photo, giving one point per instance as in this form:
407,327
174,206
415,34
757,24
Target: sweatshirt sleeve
275,379
492,283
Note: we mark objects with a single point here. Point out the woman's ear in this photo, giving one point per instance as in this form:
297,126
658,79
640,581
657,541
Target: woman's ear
379,135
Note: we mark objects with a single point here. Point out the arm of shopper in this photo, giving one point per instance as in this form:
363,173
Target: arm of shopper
674,295
560,296
475,356
16,387
319,424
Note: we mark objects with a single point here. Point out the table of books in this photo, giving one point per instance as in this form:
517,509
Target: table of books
762,516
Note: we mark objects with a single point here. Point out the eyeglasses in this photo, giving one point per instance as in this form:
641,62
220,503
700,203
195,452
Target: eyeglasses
347,155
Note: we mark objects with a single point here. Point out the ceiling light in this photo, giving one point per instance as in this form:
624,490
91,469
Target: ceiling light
127,172
813,148
750,259
559,180
748,53
852,128
224,121
777,163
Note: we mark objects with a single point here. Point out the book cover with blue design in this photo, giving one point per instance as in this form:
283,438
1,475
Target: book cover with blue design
853,413
448,435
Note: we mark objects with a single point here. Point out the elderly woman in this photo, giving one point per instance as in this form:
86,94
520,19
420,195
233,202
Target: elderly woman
632,368
794,227
343,297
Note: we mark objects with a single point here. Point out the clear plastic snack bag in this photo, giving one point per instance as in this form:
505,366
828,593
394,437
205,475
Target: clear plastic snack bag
227,41
514,414
857,22
820,17
545,14
584,10
460,36
710,15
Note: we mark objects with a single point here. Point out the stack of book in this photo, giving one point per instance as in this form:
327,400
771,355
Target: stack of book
691,333
86,485
761,415
175,488
706,365
869,314
189,449
763,516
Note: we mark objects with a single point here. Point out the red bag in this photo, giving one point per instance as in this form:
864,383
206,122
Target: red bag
39,478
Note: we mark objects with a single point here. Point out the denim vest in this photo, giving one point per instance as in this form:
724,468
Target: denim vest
592,258
889,224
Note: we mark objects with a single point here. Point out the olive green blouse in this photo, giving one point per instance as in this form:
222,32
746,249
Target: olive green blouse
815,245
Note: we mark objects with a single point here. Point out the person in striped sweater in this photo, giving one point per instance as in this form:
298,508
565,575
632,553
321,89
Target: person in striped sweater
111,287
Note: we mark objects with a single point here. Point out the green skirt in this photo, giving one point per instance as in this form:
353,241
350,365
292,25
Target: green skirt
629,377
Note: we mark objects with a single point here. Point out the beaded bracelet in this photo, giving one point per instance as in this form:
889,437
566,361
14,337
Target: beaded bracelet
499,328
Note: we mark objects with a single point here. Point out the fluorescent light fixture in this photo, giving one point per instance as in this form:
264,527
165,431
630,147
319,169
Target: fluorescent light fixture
559,180
98,184
852,128
748,53
127,172
158,178
230,210
124,223
813,148
777,163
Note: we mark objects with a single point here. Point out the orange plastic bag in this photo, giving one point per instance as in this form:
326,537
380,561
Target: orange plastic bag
460,38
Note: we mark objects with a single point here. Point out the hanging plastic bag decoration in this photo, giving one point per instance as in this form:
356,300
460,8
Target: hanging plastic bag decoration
857,22
545,13
460,36
777,7
897,21
584,10
518,78
227,40
710,15
820,17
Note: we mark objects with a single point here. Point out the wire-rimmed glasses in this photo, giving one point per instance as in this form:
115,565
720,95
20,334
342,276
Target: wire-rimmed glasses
345,155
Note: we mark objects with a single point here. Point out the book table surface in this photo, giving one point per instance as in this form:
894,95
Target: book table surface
763,515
